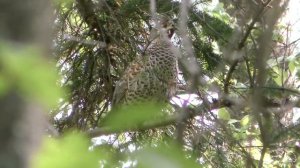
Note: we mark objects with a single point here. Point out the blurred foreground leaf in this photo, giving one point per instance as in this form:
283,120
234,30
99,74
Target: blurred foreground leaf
134,115
69,152
166,157
23,68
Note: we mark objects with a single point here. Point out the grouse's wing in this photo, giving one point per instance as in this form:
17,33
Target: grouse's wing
129,79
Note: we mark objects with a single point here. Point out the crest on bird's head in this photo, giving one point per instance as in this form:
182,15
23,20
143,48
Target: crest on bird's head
163,26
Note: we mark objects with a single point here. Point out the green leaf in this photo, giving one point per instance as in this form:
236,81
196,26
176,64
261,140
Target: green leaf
34,77
240,135
63,2
133,116
69,152
164,156
245,121
4,85
280,75
223,114
232,121
292,66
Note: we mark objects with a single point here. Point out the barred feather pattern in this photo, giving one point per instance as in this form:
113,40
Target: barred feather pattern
151,77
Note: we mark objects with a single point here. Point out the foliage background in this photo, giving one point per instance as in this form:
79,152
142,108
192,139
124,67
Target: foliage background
236,61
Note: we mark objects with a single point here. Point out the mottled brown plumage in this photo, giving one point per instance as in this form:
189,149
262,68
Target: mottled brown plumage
152,76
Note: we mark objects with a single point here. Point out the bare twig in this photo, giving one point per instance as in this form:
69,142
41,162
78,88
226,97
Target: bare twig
242,44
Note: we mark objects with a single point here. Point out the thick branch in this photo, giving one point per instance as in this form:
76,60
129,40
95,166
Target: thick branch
187,114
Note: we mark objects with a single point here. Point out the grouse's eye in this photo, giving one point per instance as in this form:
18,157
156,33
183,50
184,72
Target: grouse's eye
165,25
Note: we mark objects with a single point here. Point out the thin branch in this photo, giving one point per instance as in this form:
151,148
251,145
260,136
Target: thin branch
241,45
99,44
262,155
251,26
229,75
249,72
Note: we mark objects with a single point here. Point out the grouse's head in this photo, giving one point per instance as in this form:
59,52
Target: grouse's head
168,24
164,26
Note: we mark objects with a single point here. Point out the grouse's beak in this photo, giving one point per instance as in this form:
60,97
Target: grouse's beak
171,33
170,30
